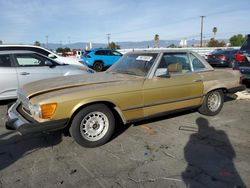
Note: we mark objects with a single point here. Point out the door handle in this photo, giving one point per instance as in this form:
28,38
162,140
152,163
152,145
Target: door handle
24,73
197,80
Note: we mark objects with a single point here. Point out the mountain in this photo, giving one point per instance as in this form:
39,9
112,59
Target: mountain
123,45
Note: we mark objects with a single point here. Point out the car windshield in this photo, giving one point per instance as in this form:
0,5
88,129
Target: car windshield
246,44
134,64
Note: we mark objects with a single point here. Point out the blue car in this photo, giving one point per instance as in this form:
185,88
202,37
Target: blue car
100,59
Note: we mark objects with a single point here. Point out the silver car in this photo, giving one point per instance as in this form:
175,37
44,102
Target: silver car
20,67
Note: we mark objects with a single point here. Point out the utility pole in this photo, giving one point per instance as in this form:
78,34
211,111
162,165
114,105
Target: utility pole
69,40
47,41
108,35
202,17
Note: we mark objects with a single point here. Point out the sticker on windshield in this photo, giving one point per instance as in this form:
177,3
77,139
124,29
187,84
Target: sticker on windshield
144,58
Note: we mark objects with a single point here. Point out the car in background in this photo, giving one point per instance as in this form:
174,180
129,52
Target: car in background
140,85
45,52
100,59
223,57
20,67
242,59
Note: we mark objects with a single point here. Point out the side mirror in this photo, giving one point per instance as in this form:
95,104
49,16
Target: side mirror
48,63
52,56
162,72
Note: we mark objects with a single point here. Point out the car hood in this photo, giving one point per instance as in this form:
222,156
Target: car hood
58,83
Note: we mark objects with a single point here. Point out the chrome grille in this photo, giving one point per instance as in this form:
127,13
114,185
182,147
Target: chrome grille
23,99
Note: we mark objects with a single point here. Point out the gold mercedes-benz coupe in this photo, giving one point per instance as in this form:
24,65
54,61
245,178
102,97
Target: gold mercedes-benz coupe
140,85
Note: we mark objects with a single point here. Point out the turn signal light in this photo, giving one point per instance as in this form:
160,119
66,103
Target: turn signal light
48,110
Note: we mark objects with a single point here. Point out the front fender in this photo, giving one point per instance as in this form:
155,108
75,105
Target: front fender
88,102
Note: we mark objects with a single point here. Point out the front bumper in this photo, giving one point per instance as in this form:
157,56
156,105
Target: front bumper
16,121
245,76
217,62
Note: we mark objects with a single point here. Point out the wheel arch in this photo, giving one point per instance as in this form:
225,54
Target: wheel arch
223,89
114,108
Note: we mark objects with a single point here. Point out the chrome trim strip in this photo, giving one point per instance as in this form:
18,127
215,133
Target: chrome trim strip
162,102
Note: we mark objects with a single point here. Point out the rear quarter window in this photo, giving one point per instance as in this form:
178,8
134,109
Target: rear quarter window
5,61
246,44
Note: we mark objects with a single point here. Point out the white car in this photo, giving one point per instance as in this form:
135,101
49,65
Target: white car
19,67
45,52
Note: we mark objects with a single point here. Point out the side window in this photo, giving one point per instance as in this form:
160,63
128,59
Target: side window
107,52
5,61
30,60
99,52
197,64
176,63
115,53
40,51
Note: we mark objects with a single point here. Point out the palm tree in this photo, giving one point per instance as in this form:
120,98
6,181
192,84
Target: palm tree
157,41
215,31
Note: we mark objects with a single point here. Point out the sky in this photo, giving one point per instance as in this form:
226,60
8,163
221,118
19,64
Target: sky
26,21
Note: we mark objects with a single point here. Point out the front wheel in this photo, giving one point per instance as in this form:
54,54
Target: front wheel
98,66
212,103
93,126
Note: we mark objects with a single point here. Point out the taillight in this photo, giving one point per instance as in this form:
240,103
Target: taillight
241,79
222,57
240,57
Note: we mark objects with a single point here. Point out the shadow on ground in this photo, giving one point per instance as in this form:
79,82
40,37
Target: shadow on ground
209,155
14,147
247,84
7,102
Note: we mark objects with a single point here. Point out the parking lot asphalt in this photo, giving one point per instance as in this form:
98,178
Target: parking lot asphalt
181,150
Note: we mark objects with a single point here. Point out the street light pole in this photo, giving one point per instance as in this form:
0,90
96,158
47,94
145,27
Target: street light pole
47,41
202,17
108,35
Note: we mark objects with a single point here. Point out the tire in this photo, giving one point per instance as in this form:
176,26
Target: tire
93,126
98,66
212,103
230,64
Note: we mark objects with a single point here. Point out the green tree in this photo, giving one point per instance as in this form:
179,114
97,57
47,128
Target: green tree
37,43
215,31
237,40
216,43
63,50
59,50
113,46
67,49
157,41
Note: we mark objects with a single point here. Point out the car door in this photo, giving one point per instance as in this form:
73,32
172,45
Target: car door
182,88
32,67
114,56
8,77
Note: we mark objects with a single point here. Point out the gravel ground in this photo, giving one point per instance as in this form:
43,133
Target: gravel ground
181,150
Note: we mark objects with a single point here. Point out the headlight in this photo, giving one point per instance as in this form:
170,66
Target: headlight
35,110
44,111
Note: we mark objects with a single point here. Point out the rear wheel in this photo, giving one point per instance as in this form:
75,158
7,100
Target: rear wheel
98,66
93,126
212,103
